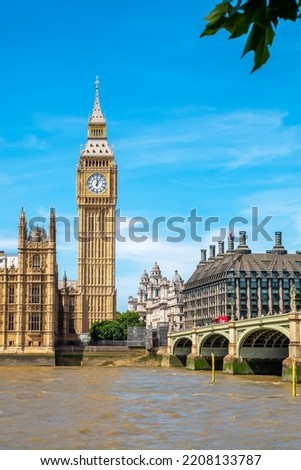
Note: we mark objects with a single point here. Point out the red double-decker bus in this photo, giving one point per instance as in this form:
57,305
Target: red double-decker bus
220,319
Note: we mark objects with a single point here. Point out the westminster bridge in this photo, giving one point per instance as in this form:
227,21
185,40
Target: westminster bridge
261,345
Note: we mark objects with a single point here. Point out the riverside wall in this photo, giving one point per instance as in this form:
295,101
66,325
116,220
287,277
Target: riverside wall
84,356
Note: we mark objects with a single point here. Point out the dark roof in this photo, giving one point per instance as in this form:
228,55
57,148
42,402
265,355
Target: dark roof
218,267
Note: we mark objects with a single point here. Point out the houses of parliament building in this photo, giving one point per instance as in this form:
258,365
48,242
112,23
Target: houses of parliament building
36,310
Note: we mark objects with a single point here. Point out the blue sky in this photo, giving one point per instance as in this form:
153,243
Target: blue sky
192,129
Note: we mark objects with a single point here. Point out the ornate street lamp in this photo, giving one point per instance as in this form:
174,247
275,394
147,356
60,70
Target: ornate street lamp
293,298
232,308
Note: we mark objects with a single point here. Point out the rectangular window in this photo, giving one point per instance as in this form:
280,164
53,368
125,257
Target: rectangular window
286,295
11,321
35,321
11,295
71,304
71,326
264,283
264,296
243,294
35,296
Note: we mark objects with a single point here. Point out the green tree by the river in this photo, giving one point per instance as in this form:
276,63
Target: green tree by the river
108,330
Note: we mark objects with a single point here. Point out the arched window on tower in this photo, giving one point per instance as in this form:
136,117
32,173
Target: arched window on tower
36,261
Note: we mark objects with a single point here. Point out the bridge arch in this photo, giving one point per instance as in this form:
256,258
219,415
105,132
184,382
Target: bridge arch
182,348
214,343
264,349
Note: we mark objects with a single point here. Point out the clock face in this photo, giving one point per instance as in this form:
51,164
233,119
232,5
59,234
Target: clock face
97,183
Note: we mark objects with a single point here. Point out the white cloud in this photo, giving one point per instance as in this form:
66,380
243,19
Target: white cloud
229,140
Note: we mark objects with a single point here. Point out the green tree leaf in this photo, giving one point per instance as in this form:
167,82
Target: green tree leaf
256,18
284,9
259,41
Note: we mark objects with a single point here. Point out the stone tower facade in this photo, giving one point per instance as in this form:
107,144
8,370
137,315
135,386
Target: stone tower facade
96,200
28,291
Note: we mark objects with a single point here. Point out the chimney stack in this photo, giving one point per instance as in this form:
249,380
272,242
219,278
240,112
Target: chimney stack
242,237
212,252
278,238
230,243
221,250
278,248
243,247
203,258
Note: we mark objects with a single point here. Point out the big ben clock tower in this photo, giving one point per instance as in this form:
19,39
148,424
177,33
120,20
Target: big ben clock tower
96,201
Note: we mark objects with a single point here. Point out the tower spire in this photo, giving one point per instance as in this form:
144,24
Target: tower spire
97,117
96,144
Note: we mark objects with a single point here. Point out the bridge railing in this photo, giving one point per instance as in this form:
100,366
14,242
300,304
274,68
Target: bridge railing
197,322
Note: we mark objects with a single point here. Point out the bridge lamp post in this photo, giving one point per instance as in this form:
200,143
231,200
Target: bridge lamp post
232,308
293,298
171,322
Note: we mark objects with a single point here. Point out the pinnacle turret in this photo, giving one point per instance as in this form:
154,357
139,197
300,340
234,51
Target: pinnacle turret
52,225
22,226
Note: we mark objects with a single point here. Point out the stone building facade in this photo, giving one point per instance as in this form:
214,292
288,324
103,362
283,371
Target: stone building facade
159,300
242,284
28,291
69,311
36,310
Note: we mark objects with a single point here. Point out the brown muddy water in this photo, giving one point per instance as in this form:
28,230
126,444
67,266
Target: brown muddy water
134,408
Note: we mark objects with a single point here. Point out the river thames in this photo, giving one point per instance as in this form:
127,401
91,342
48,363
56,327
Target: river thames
145,408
